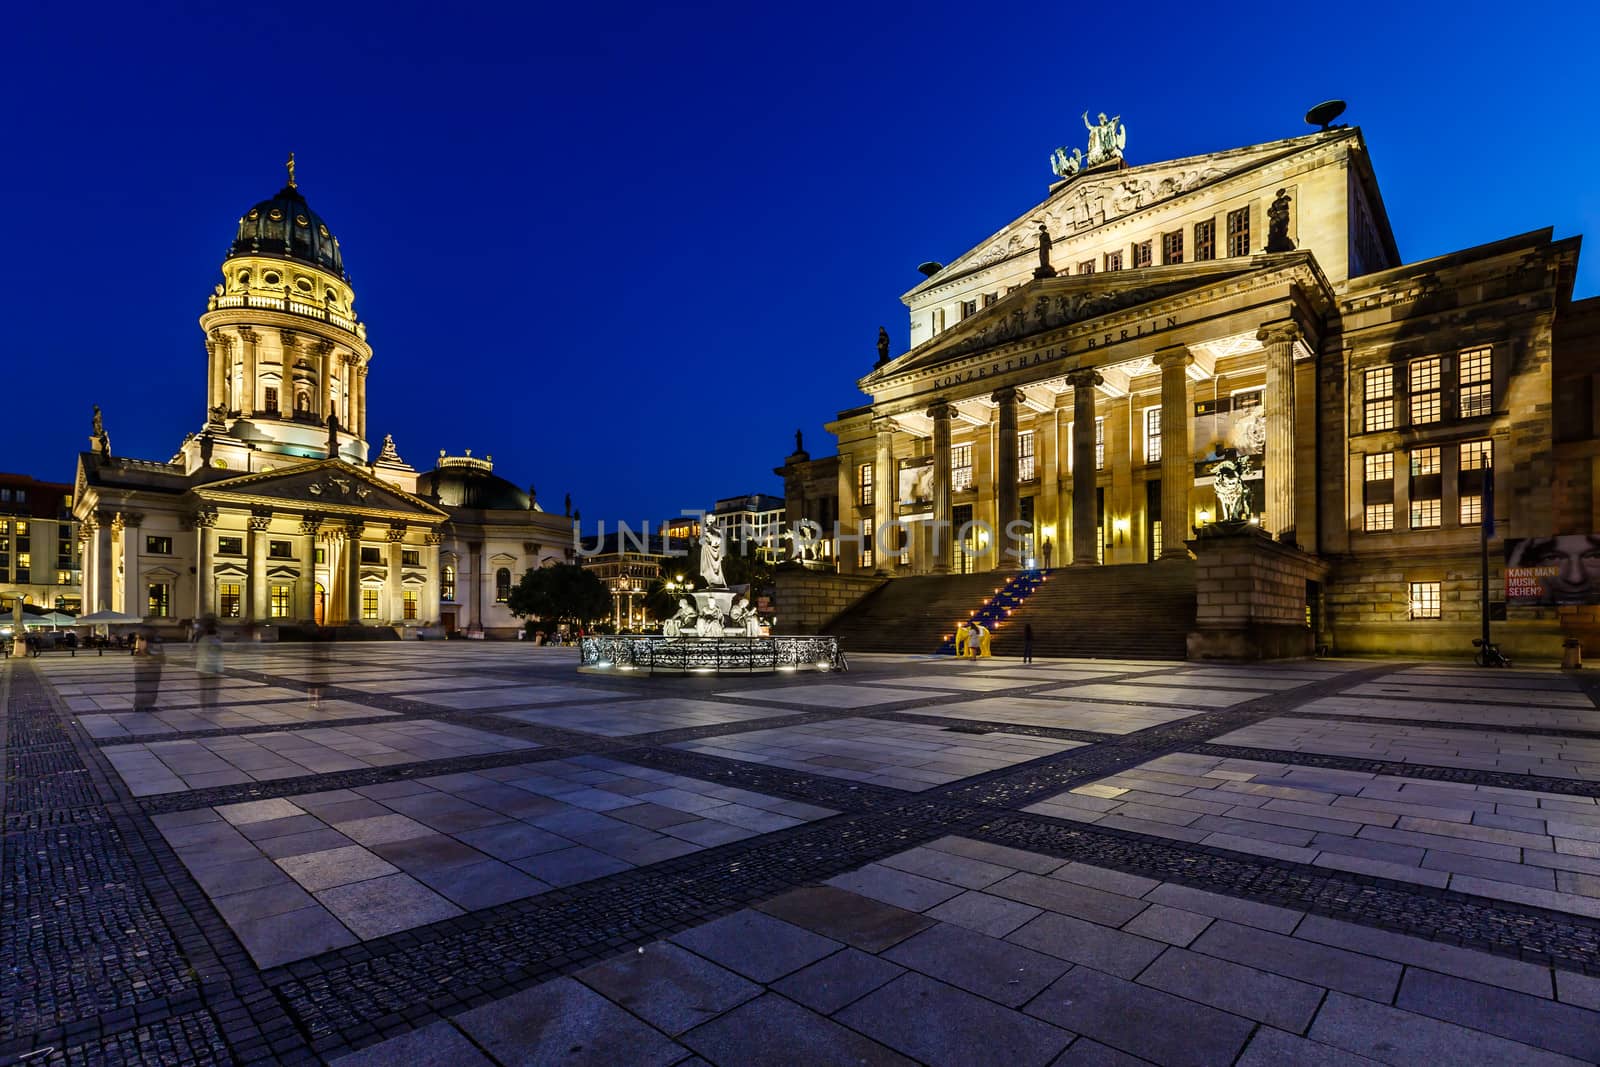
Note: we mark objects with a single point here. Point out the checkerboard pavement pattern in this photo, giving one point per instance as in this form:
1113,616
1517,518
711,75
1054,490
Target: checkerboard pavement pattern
474,854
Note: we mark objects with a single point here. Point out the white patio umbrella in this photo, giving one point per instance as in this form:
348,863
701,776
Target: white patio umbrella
107,617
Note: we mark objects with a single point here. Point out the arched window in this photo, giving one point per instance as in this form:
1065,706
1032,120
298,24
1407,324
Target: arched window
502,585
447,583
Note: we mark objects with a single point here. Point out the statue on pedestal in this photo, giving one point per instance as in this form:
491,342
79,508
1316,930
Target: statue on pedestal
1278,239
99,438
683,622
713,543
1233,495
883,346
1106,140
745,620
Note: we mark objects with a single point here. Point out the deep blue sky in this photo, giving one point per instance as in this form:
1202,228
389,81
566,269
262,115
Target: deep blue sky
628,250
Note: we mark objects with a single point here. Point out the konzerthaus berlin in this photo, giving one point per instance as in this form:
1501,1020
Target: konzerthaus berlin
1092,371
272,512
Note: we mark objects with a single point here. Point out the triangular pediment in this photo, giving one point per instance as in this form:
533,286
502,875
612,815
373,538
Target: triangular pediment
325,486
1096,197
1047,304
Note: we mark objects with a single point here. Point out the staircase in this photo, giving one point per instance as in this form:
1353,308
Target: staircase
994,612
1136,611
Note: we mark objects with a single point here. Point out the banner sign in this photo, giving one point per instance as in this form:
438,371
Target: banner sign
1230,427
1564,569
916,481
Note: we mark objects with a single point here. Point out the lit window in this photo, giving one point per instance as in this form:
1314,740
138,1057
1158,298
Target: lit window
1152,435
1425,514
408,600
1477,388
1100,444
1141,254
1477,455
1471,510
960,467
1172,247
1425,600
1424,461
1205,240
1379,517
158,600
1380,467
864,485
1155,539
866,548
502,585
1025,471
1378,398
1239,232
64,577
369,603
278,601
228,600
1424,388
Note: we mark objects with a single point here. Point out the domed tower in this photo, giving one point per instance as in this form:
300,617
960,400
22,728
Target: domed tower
286,349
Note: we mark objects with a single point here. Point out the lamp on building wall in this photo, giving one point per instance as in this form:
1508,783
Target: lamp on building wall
1119,531
1202,517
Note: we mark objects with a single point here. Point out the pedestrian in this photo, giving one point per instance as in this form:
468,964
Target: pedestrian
148,657
1049,550
208,661
1027,642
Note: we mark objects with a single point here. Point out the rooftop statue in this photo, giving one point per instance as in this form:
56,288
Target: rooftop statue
1106,140
1065,166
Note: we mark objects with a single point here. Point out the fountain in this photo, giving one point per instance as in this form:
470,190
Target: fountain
715,631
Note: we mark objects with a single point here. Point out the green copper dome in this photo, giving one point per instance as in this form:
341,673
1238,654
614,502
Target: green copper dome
286,226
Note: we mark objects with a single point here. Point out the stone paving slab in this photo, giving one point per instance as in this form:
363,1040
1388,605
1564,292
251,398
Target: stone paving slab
225,716
625,718
1060,712
1195,696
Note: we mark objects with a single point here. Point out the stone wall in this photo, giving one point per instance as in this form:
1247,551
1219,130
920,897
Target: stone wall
1250,597
806,601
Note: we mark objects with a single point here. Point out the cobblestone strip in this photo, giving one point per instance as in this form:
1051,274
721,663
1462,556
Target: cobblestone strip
1439,724
101,931
1499,927
1460,775
990,726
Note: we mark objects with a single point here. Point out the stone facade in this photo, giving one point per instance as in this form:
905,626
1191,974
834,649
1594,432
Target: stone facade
1252,598
1075,381
805,601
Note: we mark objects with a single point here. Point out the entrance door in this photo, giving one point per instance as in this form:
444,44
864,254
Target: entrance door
320,606
448,620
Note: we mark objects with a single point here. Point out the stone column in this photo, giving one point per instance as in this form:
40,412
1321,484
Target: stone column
204,580
1084,548
1177,471
358,412
475,566
849,517
352,571
1005,475
255,592
884,491
397,535
305,595
247,389
943,536
319,401
130,601
430,610
216,353
1279,339
102,560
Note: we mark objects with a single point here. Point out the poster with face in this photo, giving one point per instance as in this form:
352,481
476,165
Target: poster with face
1230,427
916,481
1564,569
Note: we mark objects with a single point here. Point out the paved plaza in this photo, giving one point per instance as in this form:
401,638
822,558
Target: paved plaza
469,853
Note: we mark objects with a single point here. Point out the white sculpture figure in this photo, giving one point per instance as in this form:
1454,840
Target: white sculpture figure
1106,140
712,545
745,619
1233,496
710,624
1065,166
683,622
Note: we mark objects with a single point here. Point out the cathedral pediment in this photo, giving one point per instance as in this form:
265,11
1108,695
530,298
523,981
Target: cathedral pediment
1096,197
1052,303
329,487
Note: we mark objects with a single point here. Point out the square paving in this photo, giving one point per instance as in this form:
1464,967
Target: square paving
469,853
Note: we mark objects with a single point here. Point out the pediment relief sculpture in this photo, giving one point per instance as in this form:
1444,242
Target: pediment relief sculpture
1049,311
331,486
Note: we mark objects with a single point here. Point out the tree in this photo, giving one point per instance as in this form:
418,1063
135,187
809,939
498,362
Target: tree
563,593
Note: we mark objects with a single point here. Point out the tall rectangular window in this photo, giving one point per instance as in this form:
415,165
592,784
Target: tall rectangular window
158,546
158,600
1152,435
369,603
1477,459
864,485
1477,383
990,299
408,601
1113,261
969,308
1378,492
1378,399
270,401
866,548
1172,247
228,600
1141,254
279,601
1205,240
960,467
1086,267
1425,488
1100,444
371,554
1025,469
1423,385
1239,232
411,557
1477,455
1425,600
230,546
280,550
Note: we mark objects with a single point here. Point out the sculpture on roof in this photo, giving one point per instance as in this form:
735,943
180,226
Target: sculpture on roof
883,346
1065,166
1106,140
99,438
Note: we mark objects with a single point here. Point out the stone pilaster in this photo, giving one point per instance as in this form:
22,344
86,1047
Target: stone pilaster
1279,340
246,400
255,592
103,564
392,586
430,610
943,536
319,400
305,594
352,571
1084,548
475,567
1005,475
884,491
126,597
358,413
204,543
1177,470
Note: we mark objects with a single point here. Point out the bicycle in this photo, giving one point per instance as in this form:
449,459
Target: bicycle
1488,654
